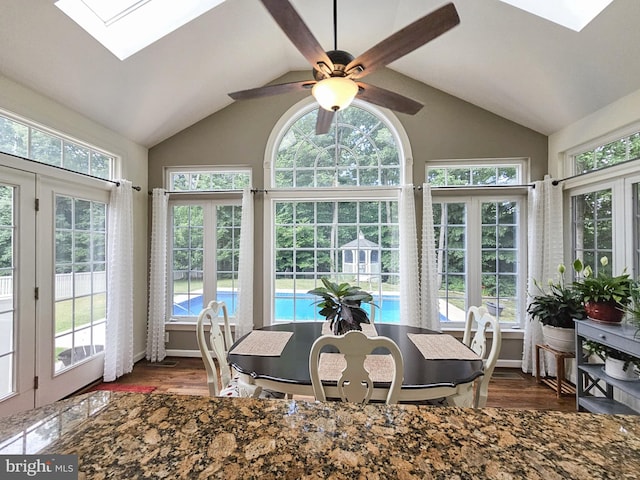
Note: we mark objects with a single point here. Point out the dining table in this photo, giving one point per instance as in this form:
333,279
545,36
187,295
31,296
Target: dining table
436,366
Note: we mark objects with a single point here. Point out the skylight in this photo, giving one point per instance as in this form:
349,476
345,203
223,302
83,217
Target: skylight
573,14
127,26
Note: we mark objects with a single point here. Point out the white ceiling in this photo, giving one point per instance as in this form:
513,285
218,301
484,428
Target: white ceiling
500,58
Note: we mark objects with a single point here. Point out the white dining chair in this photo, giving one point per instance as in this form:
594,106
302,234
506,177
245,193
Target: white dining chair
219,343
355,383
478,343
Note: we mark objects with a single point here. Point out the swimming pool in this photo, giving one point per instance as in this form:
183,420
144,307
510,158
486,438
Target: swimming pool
289,307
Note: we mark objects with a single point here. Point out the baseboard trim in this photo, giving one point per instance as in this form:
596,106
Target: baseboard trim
183,353
509,363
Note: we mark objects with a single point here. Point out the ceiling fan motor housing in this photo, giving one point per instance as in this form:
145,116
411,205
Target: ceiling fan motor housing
340,60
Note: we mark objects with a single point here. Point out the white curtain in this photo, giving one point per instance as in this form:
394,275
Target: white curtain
118,356
429,286
409,274
157,311
244,312
545,254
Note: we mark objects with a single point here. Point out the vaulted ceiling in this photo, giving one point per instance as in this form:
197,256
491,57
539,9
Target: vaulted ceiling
519,66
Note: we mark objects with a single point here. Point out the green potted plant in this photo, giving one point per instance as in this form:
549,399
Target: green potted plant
605,296
340,305
617,364
556,308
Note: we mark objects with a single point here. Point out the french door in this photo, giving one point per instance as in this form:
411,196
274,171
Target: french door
17,282
72,277
52,287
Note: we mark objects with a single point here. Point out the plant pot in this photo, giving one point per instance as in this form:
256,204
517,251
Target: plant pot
558,338
604,312
614,368
493,308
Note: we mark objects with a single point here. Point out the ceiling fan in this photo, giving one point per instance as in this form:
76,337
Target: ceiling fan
337,73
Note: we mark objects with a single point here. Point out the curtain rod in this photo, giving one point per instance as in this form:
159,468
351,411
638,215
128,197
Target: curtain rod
115,182
527,185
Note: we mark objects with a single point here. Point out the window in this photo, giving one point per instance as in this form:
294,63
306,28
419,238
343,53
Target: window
480,239
615,152
592,221
204,239
332,211
207,180
21,138
469,175
603,204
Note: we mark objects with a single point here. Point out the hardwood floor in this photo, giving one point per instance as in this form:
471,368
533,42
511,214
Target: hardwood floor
509,388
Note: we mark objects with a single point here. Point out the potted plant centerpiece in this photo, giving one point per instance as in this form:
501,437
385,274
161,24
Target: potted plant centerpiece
605,296
340,304
556,308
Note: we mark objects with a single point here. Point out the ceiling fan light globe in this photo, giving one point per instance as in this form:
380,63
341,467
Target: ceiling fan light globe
335,93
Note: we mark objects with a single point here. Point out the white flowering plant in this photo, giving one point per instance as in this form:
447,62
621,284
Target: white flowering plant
558,305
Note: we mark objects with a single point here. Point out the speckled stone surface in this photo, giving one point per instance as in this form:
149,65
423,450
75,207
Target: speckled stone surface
128,436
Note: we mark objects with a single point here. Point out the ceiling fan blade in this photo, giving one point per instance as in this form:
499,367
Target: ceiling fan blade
272,90
325,117
406,40
385,98
294,27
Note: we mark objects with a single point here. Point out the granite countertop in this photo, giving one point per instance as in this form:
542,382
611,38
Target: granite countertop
128,436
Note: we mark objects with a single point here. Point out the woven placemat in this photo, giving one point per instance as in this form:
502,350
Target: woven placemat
441,347
263,343
369,329
380,367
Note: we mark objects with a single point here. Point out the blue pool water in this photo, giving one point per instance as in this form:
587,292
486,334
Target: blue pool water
300,307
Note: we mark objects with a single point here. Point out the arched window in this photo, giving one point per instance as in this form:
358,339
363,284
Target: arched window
359,150
332,200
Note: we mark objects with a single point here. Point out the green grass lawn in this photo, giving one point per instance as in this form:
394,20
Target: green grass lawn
85,308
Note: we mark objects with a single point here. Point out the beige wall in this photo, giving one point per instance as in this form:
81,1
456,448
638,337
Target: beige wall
445,128
38,108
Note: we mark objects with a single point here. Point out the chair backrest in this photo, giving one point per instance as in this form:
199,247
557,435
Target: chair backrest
218,343
355,383
478,344
473,314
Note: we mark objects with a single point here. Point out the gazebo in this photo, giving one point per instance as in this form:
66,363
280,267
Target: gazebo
362,258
